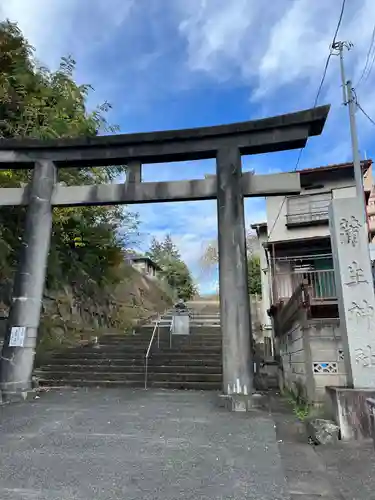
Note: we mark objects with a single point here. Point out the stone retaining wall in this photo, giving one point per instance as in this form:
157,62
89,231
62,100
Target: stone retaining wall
70,313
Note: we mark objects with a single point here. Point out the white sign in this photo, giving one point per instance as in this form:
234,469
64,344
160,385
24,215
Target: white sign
17,336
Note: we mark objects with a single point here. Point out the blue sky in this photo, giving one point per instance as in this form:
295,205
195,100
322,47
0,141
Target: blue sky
166,64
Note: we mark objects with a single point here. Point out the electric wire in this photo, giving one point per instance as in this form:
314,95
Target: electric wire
315,104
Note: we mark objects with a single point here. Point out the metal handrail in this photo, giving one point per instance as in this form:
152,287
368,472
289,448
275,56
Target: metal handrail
170,332
156,329
322,283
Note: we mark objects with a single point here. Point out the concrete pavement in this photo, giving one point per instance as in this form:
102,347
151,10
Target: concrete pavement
132,444
124,444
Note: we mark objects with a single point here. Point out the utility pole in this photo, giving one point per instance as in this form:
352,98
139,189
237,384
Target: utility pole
349,100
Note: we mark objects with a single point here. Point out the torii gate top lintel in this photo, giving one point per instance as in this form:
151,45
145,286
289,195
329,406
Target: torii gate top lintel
288,131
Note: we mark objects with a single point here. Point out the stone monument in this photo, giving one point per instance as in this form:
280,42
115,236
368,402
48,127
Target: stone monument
356,302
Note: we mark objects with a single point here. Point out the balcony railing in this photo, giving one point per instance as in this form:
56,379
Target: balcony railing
312,217
308,209
321,285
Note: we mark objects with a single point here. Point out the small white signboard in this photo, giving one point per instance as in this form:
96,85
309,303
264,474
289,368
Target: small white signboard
17,336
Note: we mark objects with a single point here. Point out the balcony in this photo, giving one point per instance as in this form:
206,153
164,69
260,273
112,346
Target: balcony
308,210
321,285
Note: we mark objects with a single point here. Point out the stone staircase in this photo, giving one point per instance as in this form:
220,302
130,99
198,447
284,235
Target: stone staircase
192,362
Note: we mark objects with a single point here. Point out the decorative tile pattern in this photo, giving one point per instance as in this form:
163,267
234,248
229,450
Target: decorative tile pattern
325,367
341,354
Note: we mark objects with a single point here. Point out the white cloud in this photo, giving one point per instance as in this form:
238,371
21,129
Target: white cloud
215,33
44,23
298,45
270,47
61,27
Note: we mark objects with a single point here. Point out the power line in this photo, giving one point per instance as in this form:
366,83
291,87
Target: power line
364,112
371,66
315,104
322,80
301,150
367,57
284,199
361,108
339,22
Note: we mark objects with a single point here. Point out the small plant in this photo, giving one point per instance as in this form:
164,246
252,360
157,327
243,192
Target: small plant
297,399
302,412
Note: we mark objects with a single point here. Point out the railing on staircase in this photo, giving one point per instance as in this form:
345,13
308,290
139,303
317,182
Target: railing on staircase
156,329
170,332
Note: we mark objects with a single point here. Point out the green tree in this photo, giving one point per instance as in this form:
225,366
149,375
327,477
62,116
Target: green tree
155,251
175,271
170,250
179,278
254,275
87,242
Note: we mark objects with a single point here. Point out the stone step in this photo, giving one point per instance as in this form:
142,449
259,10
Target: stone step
146,332
145,338
192,325
135,376
129,350
163,348
127,368
205,317
197,386
193,314
205,329
126,353
202,321
118,360
138,362
176,339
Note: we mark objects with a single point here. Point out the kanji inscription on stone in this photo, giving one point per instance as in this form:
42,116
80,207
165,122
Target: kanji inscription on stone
355,274
349,230
365,357
362,311
355,290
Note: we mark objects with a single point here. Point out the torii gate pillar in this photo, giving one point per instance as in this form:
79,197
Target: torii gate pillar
18,353
234,293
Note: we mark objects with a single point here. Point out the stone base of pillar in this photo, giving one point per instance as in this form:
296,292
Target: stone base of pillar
241,402
18,397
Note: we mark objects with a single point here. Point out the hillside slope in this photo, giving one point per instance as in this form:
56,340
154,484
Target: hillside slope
76,312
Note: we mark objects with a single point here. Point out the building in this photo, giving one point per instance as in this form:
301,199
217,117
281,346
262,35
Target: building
145,265
298,283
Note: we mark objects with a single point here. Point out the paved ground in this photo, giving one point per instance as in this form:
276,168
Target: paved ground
115,444
306,474
344,471
351,467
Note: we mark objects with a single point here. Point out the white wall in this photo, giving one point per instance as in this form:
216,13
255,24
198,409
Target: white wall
265,280
346,192
275,204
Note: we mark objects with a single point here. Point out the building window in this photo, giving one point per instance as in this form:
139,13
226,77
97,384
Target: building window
308,209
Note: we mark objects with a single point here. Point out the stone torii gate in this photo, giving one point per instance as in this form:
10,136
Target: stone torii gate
226,143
